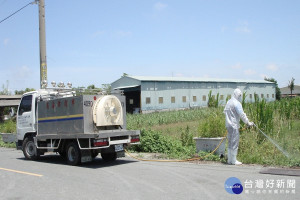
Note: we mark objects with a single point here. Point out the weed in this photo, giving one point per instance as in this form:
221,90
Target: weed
8,126
7,145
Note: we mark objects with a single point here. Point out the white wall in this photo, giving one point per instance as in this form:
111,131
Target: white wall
154,90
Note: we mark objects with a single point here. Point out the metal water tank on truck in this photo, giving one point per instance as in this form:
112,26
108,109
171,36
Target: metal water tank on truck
77,127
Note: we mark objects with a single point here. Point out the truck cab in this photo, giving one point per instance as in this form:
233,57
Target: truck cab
26,116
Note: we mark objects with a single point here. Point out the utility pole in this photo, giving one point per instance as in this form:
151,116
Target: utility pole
42,32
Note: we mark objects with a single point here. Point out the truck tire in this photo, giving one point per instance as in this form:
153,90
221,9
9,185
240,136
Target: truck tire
73,154
109,156
62,154
29,149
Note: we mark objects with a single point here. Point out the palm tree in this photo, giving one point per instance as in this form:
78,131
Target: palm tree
291,85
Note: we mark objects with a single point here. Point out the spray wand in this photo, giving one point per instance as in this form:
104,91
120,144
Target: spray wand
275,144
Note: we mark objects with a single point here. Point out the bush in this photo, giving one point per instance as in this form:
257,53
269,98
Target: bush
7,145
186,137
212,126
212,101
8,126
155,142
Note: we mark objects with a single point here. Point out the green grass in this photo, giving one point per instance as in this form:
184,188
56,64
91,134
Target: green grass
280,120
6,145
171,132
8,126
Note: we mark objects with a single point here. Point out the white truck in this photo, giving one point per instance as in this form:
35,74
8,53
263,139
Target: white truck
76,127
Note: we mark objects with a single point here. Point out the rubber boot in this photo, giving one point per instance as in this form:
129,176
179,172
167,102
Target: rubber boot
234,160
229,161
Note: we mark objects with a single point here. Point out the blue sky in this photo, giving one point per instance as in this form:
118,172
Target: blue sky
96,41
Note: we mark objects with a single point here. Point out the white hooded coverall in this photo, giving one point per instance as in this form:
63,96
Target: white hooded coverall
233,113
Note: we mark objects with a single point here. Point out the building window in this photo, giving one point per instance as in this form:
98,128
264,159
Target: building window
273,96
250,96
203,98
131,101
148,100
262,95
221,97
229,96
172,99
267,95
183,99
194,99
160,100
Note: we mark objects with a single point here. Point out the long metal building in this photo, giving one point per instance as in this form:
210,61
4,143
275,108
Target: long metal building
148,94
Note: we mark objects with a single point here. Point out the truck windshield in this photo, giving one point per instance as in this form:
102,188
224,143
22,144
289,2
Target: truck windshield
25,105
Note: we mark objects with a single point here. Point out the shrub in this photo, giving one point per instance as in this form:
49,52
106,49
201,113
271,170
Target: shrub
186,137
156,142
8,126
212,101
212,126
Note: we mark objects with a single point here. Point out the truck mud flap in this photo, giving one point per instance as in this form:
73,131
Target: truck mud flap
86,156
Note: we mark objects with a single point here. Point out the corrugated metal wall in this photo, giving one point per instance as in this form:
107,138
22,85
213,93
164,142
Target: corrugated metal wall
178,95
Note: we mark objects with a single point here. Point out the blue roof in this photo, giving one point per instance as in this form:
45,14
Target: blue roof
188,79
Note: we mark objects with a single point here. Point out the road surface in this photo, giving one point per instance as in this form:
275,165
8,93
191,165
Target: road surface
126,178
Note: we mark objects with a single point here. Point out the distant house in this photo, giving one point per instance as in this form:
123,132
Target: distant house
8,101
286,92
148,94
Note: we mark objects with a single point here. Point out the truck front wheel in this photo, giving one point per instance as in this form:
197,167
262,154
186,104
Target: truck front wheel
73,154
29,149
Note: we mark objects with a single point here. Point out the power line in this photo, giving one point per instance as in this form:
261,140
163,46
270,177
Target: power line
17,11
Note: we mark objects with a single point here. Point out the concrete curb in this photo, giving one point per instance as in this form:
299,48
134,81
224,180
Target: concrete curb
9,137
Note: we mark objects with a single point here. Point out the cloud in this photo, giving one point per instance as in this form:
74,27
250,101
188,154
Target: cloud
123,33
272,67
98,33
6,41
119,34
263,76
249,72
22,72
223,29
160,6
243,27
179,75
237,66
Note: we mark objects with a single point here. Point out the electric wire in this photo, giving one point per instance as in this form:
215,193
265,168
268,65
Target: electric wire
17,11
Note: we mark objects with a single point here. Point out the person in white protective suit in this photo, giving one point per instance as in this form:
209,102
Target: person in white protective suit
233,113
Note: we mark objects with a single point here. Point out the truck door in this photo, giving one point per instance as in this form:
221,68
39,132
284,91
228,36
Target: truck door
26,116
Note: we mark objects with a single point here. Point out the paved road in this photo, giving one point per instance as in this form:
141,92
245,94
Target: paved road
129,179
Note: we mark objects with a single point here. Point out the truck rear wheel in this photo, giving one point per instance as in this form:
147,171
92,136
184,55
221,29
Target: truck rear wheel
109,156
73,154
29,149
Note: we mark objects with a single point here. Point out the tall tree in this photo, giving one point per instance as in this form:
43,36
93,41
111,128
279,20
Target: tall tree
124,75
291,85
278,92
20,92
5,90
106,88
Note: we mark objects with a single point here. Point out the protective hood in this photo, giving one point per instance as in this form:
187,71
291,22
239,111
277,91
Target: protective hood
237,94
